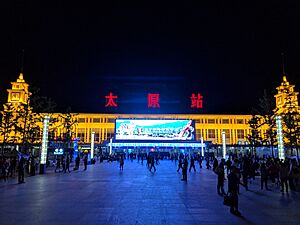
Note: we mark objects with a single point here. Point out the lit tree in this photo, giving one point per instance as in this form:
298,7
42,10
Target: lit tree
266,111
254,137
30,117
68,123
7,126
291,121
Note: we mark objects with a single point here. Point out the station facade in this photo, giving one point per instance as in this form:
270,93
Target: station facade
208,126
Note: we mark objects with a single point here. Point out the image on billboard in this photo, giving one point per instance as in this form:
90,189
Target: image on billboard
152,129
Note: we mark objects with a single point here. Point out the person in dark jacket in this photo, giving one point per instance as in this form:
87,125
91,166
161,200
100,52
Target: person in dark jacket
21,170
184,169
264,176
179,164
85,161
67,167
215,164
221,177
57,164
152,164
192,164
121,162
77,162
233,182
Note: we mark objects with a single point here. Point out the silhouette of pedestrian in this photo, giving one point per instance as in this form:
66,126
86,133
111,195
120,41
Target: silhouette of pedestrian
200,162
264,176
21,170
77,163
63,163
215,164
233,191
152,164
207,163
179,164
121,163
192,164
85,162
284,174
67,164
221,176
57,164
184,169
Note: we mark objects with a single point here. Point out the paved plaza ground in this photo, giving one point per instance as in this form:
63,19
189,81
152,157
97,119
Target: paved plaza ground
104,195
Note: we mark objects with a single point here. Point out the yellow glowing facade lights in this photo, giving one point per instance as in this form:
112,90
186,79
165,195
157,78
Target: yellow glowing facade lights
280,137
92,144
45,140
224,144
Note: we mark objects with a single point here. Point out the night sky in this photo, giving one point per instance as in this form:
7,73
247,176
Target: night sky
77,53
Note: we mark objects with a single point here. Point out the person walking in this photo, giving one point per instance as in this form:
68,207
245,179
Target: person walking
207,163
200,161
179,164
284,174
57,164
63,163
233,191
21,171
228,165
192,164
85,161
67,164
221,177
77,163
121,162
264,176
215,164
184,169
152,164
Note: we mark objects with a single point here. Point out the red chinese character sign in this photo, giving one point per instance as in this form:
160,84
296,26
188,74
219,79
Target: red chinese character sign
196,101
153,101
110,100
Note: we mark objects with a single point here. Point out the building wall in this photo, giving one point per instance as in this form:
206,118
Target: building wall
209,126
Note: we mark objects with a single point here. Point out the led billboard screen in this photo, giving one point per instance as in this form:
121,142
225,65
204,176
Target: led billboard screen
152,129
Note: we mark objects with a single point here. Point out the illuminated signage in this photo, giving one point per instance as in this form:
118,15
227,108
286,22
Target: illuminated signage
111,100
58,151
196,101
151,129
153,101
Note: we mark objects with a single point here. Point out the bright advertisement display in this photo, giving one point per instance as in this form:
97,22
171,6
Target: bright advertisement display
151,129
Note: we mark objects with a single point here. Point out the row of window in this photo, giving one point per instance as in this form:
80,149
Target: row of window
95,120
208,121
212,133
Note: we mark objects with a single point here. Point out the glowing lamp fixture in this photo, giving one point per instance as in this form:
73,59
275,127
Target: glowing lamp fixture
45,140
280,137
202,147
224,144
92,145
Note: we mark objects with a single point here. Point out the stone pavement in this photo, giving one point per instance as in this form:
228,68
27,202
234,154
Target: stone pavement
104,195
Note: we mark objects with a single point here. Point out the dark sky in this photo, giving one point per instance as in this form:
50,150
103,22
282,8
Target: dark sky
78,52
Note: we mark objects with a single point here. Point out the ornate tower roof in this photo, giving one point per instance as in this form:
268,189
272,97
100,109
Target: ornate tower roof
19,92
286,98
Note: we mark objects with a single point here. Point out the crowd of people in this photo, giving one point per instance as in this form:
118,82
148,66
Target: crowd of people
13,166
238,170
283,174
